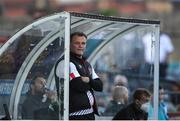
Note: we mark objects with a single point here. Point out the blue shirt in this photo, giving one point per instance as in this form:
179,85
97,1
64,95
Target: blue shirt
162,112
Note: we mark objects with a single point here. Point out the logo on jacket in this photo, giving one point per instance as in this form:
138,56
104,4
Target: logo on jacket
80,66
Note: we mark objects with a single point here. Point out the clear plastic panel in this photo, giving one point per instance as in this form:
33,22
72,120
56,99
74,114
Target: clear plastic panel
44,67
31,55
122,62
113,48
48,106
87,24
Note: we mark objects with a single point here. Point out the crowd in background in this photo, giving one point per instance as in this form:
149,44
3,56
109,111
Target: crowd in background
164,11
14,16
120,91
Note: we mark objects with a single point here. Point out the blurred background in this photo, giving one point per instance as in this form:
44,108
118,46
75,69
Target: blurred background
16,14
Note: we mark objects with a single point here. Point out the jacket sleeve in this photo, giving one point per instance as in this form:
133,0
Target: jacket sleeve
78,85
121,115
26,112
23,113
95,82
76,82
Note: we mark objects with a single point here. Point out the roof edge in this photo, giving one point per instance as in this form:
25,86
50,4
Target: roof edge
114,18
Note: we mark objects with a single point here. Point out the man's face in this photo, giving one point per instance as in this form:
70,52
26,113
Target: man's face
145,105
78,45
39,85
144,99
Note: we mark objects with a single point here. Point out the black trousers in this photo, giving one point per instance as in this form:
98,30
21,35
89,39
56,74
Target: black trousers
83,117
162,69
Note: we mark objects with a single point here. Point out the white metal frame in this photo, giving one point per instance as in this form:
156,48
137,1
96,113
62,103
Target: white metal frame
20,78
22,31
66,65
111,37
156,72
23,72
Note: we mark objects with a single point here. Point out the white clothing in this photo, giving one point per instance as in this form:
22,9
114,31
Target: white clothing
73,71
166,47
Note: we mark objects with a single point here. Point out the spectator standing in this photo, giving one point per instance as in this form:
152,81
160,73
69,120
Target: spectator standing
166,48
162,112
83,81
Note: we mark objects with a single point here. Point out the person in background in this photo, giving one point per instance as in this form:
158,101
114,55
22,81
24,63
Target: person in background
162,105
137,109
119,100
120,80
166,49
83,81
38,98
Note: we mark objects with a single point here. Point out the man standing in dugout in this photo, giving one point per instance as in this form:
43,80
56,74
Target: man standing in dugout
83,81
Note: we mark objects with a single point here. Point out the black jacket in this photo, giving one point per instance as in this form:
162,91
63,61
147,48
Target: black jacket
112,108
131,112
31,104
78,89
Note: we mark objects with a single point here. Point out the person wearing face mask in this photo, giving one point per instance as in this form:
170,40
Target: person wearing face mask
162,111
38,98
137,109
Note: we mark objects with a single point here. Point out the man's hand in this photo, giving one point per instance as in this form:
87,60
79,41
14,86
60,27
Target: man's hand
52,95
85,79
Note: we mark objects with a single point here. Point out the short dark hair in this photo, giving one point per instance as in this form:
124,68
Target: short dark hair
140,92
78,34
34,79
